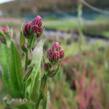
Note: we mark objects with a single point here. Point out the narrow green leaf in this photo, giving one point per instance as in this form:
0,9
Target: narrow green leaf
5,67
16,71
45,100
12,69
22,40
34,80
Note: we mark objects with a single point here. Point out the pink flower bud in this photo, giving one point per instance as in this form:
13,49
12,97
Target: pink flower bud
34,26
61,53
27,29
4,29
56,46
37,30
50,54
37,26
37,21
56,55
56,52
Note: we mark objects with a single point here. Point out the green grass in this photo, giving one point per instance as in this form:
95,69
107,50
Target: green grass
97,26
74,48
10,24
106,34
61,24
1,106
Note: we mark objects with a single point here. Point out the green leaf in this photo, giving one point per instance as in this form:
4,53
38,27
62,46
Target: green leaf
22,40
12,69
5,67
1,34
34,81
45,100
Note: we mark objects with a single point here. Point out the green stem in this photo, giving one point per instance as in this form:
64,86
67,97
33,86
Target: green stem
31,42
80,26
42,90
39,100
26,60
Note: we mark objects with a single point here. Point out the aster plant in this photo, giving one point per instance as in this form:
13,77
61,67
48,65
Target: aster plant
25,70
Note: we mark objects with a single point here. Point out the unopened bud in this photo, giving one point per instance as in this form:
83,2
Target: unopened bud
55,53
27,29
37,26
4,29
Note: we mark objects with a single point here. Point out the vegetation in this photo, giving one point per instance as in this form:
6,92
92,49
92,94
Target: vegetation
25,83
40,70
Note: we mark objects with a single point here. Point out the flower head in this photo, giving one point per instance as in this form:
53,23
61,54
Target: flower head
37,21
61,53
37,25
27,29
37,30
34,26
4,29
55,53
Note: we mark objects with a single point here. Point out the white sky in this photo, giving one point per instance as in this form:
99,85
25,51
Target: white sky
3,1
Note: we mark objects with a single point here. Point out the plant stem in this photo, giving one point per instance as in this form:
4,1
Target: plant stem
26,60
80,26
42,90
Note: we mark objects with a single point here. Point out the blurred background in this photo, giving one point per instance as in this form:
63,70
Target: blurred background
82,27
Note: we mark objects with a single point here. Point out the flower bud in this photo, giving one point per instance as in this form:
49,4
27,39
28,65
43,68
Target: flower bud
56,46
37,30
55,53
34,26
37,26
27,29
37,21
61,53
4,29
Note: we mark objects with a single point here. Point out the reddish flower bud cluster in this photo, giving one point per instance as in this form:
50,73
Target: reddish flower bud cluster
34,26
56,52
4,29
27,29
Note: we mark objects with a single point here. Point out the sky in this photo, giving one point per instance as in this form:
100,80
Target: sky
3,1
